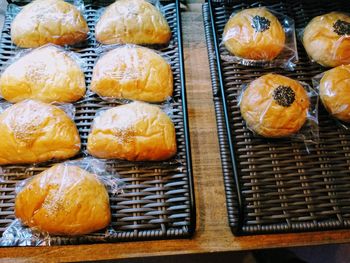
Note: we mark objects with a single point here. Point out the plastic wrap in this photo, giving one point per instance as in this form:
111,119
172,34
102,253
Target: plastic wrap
134,22
134,73
49,21
326,39
135,132
333,87
260,37
33,132
65,200
68,108
274,106
49,74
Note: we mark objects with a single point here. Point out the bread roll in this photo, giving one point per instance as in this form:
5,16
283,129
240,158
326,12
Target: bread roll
48,21
134,132
33,131
135,73
47,74
275,106
64,200
335,92
326,39
254,34
132,21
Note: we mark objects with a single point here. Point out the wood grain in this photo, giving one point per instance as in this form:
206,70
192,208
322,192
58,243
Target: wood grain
213,233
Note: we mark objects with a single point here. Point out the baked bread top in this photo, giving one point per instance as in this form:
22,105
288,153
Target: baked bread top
48,74
135,132
132,72
48,21
33,131
255,34
64,200
326,39
132,21
275,106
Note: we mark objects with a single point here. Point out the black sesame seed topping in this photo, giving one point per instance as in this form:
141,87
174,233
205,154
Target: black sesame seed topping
342,27
260,24
284,96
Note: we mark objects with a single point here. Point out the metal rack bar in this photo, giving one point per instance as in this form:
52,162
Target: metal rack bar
227,122
185,119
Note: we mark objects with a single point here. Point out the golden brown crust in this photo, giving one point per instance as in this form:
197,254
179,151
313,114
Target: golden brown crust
134,132
47,74
265,116
322,42
64,200
48,21
243,40
135,73
33,131
132,21
335,92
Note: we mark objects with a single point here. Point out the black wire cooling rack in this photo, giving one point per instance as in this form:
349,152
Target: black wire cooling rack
158,197
276,186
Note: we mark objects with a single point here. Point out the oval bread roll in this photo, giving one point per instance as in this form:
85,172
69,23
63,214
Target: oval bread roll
48,21
47,74
132,21
255,34
275,106
33,131
326,39
335,92
64,200
135,73
134,132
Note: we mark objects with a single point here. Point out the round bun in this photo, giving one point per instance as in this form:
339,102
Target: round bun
47,74
48,21
275,106
132,21
254,34
134,73
335,92
326,39
64,200
33,131
134,132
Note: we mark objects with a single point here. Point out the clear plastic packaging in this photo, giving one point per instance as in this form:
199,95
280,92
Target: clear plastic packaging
68,108
66,200
48,73
133,22
34,132
260,37
135,132
49,21
274,106
333,87
132,72
326,39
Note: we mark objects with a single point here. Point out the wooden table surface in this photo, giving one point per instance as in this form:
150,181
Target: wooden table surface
213,233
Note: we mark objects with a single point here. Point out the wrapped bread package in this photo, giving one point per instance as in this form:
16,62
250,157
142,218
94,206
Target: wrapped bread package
134,132
334,90
48,74
64,200
133,22
131,72
48,21
256,35
275,106
33,131
326,39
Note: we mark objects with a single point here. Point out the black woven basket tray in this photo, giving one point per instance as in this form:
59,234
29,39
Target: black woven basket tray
158,197
276,186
